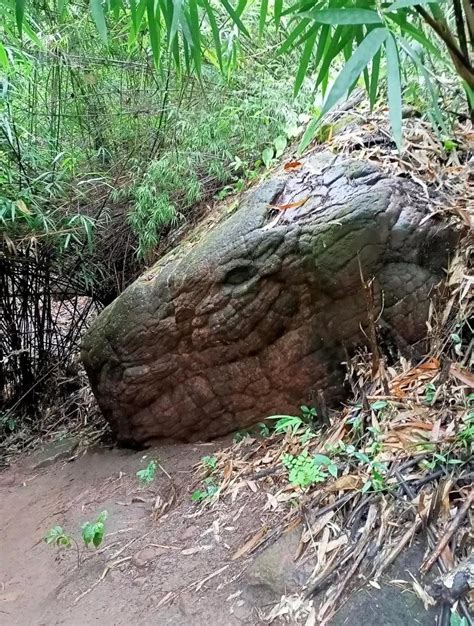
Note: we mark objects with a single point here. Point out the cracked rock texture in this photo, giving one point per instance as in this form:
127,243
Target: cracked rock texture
254,316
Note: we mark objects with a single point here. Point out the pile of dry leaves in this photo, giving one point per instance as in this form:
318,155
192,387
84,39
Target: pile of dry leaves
396,462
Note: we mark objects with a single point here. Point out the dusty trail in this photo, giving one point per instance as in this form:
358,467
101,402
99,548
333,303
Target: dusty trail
146,557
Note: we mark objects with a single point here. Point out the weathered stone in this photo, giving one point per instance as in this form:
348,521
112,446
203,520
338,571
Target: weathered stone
276,568
54,451
145,556
255,316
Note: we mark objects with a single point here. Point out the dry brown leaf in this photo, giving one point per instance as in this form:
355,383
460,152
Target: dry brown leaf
228,470
291,205
348,482
292,165
463,375
250,544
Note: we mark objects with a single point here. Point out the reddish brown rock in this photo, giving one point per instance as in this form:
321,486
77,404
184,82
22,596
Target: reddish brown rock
255,317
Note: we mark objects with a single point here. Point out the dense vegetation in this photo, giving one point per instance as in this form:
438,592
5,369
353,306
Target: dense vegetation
119,120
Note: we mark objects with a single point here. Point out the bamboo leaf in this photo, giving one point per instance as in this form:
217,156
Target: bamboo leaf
433,111
394,89
323,36
215,32
235,17
61,7
98,16
295,33
20,14
154,28
305,58
263,16
404,4
278,10
353,68
133,11
3,57
177,10
195,34
346,17
347,77
417,34
374,79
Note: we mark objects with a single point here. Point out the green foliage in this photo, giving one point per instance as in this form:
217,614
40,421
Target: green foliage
209,489
293,423
430,393
465,435
209,462
379,405
304,470
368,39
285,423
147,475
93,532
240,435
213,144
56,536
456,620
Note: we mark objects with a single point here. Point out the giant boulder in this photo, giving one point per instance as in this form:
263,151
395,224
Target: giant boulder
253,316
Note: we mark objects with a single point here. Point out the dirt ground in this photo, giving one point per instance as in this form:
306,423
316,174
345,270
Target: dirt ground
165,560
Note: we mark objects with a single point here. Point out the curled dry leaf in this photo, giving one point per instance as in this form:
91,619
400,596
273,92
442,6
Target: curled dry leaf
349,482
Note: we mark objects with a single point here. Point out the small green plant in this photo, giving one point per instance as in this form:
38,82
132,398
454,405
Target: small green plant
303,471
209,490
309,413
430,394
376,481
209,462
93,532
293,423
465,435
264,430
306,435
56,536
450,145
379,405
148,474
456,620
240,435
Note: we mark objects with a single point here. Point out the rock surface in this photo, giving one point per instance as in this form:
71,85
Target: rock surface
254,316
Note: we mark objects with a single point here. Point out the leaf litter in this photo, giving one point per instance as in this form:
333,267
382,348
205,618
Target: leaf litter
402,444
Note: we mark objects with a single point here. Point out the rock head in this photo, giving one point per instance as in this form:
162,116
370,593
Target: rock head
254,316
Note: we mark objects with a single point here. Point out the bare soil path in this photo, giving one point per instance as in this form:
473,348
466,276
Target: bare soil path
159,548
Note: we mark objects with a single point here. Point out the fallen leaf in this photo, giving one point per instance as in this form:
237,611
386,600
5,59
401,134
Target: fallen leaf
292,165
250,544
463,375
346,483
291,205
